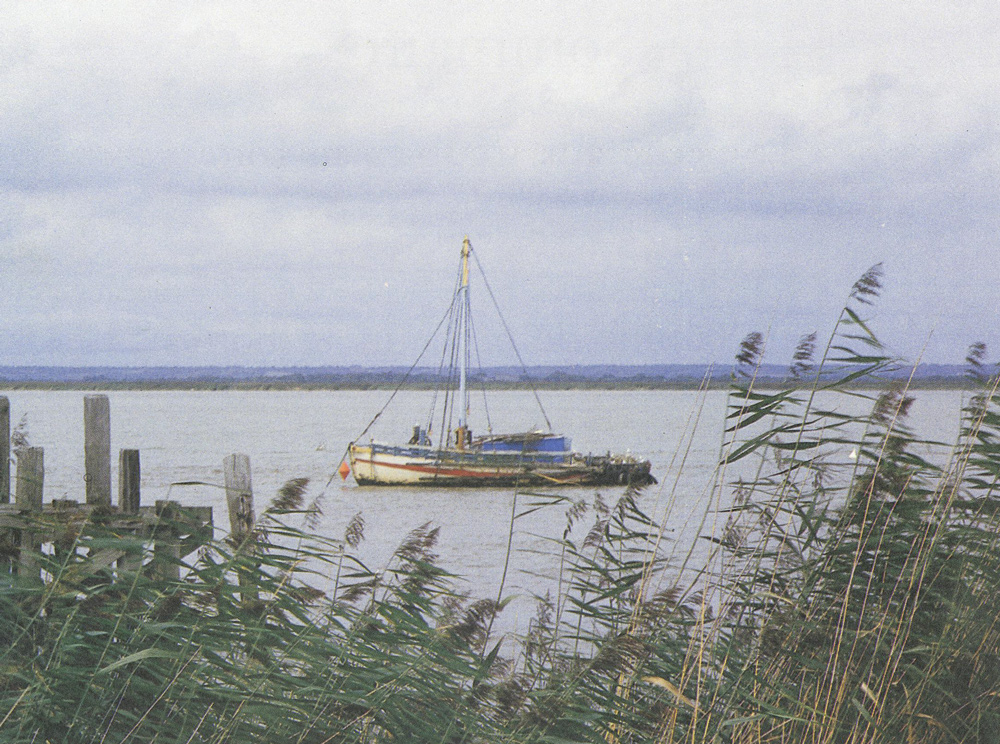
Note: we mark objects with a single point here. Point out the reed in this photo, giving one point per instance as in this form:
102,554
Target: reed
848,595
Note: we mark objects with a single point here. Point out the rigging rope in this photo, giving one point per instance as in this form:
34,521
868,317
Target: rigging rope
454,317
510,337
404,378
440,371
482,375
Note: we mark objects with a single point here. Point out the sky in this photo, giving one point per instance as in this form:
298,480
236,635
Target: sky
243,183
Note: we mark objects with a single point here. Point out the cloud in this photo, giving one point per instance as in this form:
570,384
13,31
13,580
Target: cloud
237,183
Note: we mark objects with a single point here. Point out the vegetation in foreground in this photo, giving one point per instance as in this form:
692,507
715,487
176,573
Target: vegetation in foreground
849,595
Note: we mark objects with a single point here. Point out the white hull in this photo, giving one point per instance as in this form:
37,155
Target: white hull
419,466
535,458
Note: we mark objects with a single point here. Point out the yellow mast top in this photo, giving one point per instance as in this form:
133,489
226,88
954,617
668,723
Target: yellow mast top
465,261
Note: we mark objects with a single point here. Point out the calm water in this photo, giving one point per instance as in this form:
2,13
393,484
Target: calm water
184,436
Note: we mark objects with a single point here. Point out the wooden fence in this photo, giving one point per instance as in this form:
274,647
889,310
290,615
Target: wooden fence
29,525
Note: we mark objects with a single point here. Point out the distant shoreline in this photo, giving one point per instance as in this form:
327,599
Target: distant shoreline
565,385
541,377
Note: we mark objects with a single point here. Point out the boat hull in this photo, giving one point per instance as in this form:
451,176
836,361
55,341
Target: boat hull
381,465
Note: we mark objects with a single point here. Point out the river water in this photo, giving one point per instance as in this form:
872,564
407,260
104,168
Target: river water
184,436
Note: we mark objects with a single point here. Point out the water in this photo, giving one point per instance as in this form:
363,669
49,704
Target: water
184,436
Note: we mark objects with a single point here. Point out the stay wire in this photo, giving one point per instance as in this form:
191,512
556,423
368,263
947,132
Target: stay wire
510,337
482,374
450,347
403,379
441,382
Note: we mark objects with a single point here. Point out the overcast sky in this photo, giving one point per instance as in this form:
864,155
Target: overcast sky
289,183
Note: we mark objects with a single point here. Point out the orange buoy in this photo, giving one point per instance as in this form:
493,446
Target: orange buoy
344,470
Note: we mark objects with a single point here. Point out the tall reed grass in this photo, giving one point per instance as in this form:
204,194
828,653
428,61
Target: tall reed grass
849,595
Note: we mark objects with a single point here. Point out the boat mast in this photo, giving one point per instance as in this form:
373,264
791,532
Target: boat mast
463,333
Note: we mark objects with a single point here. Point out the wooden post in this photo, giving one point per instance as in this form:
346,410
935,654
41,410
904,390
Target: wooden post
166,547
239,498
28,497
30,478
97,449
4,450
129,501
128,481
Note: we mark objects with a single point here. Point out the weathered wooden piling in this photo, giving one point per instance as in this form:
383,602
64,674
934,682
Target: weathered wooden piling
97,449
129,500
166,546
128,481
4,450
30,479
28,500
239,499
239,496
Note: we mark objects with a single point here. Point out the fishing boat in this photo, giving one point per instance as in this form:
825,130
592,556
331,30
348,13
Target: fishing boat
536,457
